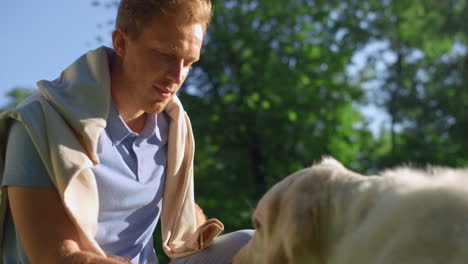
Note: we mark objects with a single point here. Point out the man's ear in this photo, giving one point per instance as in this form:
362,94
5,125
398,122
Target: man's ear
119,41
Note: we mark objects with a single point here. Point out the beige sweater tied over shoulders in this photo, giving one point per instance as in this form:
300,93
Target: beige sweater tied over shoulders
65,120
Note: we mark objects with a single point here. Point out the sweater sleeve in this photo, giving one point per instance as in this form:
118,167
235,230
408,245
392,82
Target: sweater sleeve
23,166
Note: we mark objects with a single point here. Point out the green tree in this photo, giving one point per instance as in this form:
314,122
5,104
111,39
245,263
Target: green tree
424,81
16,96
271,95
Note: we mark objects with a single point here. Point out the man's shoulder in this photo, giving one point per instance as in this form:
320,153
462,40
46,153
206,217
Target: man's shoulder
31,112
31,108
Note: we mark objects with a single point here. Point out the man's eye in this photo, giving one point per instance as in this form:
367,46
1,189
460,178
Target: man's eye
190,64
169,56
160,54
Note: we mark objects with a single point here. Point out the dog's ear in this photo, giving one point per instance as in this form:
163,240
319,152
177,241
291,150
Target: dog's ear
304,216
266,245
268,209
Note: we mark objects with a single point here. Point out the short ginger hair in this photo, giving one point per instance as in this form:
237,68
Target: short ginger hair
134,15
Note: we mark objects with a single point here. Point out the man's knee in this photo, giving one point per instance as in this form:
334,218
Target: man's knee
240,237
233,241
221,250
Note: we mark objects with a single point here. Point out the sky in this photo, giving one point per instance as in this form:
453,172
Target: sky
42,37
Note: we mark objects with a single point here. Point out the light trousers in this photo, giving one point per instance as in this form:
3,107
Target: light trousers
221,250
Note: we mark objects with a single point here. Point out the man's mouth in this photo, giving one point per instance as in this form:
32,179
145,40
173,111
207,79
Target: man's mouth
165,93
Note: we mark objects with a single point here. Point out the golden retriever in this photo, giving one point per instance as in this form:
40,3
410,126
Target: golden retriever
328,214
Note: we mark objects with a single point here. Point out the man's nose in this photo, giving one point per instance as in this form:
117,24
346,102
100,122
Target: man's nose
176,71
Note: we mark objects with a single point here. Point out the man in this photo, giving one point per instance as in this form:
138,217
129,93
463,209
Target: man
95,158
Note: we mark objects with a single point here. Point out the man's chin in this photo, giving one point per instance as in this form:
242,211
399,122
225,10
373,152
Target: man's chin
157,107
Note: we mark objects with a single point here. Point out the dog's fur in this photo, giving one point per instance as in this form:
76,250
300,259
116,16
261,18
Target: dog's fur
329,214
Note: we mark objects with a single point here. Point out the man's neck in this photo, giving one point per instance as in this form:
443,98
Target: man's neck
134,118
137,124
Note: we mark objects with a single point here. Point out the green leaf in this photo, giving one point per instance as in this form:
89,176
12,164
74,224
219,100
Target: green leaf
292,116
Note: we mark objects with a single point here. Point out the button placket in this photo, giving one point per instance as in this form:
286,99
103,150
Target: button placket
146,153
137,149
133,159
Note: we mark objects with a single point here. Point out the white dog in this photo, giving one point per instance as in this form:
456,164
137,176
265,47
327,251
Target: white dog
328,214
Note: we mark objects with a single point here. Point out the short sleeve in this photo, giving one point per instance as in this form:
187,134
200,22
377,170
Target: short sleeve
23,166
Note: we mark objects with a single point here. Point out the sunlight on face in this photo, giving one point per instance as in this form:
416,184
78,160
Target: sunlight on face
198,31
158,61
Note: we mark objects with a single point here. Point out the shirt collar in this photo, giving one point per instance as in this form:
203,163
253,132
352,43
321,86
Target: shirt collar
118,131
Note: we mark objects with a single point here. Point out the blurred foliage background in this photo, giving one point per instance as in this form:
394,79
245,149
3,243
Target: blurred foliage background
282,83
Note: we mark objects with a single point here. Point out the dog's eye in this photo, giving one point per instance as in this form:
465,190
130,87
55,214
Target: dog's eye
256,224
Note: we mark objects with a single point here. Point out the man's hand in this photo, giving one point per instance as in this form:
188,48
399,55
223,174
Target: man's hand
47,233
201,217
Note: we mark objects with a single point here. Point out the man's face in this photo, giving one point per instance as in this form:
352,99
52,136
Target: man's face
156,63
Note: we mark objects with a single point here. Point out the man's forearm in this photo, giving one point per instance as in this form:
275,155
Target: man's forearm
90,258
71,254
